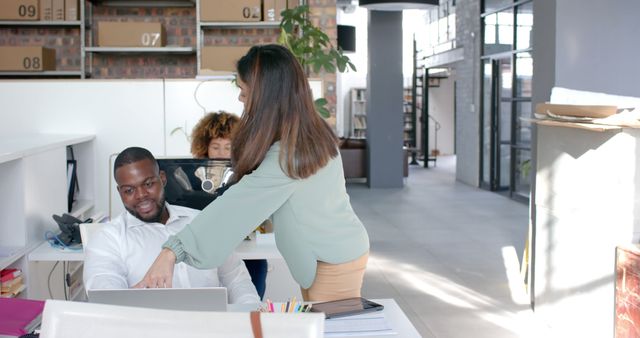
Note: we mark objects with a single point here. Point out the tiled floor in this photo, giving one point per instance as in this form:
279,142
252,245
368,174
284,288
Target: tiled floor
448,254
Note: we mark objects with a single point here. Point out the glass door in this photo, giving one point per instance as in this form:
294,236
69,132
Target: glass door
497,124
505,136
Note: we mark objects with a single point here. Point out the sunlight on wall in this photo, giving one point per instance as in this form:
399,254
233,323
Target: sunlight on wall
512,270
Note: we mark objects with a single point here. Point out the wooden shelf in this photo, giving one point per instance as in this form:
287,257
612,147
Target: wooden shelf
41,23
247,25
48,73
144,3
161,50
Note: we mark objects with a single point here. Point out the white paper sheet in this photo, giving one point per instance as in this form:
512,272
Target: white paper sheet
370,324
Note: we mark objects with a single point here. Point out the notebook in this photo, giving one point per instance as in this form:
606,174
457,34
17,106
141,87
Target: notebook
19,316
195,299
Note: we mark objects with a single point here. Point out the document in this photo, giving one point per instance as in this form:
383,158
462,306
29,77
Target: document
368,324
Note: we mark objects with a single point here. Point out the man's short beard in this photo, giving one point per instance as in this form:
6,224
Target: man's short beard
153,218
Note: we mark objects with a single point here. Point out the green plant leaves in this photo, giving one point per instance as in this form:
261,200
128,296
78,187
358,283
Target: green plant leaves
312,47
321,107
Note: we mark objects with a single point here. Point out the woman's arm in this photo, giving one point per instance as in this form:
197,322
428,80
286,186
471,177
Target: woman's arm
222,225
160,274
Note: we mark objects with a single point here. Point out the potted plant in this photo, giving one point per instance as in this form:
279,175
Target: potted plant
312,47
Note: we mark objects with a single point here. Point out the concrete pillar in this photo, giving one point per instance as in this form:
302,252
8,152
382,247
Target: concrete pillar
384,100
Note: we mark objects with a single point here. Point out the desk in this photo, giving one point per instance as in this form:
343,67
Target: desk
280,283
248,249
393,313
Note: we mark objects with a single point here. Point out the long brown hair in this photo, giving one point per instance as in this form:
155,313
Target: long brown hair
212,126
279,107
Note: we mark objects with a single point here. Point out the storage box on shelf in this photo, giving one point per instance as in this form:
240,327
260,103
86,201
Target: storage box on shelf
33,182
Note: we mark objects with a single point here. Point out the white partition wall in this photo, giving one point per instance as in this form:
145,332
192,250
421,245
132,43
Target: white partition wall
118,113
187,101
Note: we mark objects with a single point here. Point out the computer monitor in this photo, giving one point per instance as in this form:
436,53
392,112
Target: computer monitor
192,182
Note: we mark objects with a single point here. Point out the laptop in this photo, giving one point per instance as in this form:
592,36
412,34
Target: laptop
195,299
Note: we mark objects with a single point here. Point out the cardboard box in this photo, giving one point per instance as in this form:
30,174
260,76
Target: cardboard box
46,10
58,10
222,58
574,110
30,59
230,10
27,10
273,9
71,10
131,34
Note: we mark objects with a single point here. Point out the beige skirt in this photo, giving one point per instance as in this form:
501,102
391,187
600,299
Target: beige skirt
336,281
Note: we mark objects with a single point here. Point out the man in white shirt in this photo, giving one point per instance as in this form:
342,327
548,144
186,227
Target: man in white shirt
120,254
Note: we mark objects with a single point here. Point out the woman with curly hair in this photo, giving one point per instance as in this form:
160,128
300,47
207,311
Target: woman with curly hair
211,138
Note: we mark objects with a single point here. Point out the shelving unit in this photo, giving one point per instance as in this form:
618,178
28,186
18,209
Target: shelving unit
33,182
409,126
358,113
86,35
90,50
80,73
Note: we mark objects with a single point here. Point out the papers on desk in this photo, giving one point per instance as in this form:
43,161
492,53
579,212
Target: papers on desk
368,324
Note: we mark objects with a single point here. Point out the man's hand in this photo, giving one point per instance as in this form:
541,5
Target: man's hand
160,274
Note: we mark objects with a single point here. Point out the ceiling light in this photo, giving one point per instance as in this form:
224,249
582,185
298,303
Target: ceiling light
397,5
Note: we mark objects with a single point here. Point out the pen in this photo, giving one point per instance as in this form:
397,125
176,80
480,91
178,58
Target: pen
293,304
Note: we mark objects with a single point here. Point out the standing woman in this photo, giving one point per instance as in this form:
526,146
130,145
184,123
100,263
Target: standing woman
287,167
211,138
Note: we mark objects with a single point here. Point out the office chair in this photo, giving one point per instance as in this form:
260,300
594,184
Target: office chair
87,230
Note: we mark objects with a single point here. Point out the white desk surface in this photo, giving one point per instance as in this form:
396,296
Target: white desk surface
248,249
392,312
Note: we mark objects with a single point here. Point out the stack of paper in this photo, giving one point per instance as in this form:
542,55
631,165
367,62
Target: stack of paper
368,324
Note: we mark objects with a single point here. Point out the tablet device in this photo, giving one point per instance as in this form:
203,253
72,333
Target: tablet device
194,299
346,307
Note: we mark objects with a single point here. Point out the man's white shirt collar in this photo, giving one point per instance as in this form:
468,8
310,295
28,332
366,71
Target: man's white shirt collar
174,215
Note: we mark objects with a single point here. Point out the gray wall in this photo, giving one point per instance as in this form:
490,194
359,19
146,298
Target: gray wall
597,45
467,101
384,100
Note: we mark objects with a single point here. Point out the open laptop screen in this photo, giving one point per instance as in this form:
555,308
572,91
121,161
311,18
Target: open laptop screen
192,182
195,299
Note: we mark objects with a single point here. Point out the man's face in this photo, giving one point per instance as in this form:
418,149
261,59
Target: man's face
141,189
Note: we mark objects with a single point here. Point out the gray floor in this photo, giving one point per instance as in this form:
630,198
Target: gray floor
448,254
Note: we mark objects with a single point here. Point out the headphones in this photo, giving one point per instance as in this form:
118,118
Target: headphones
209,179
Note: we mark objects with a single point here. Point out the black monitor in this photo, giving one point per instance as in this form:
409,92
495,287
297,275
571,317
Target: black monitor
192,182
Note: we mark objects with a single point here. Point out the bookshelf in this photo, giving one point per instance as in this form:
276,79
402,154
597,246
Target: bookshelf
358,113
33,182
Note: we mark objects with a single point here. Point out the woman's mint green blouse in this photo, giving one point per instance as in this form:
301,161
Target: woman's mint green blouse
312,217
